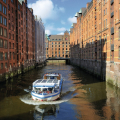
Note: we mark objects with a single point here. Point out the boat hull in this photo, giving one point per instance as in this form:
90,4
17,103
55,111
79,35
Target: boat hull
45,97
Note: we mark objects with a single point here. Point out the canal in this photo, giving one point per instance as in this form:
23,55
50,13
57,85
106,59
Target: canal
83,97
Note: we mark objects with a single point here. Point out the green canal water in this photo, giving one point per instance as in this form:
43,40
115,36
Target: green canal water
83,97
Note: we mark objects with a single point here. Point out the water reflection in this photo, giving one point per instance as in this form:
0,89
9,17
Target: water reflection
112,108
83,97
45,110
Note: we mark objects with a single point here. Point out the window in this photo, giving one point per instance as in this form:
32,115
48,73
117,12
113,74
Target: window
119,14
5,44
5,32
9,26
1,56
9,45
12,27
4,10
106,23
6,56
119,51
5,65
104,38
5,21
1,31
9,36
1,43
18,7
13,56
100,39
10,55
0,7
8,7
12,19
99,53
12,1
92,41
13,36
0,19
4,1
106,10
9,16
13,45
1,65
104,2
119,33
12,9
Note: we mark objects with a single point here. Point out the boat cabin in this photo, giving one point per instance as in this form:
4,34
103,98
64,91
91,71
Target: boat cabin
52,76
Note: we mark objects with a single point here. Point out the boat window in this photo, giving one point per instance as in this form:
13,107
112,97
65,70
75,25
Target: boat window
55,81
49,81
51,77
44,89
50,89
44,81
48,77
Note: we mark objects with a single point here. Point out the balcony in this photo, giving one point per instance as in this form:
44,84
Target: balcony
112,47
112,30
112,1
112,14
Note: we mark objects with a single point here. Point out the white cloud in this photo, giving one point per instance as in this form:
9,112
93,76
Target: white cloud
61,29
62,9
62,33
51,28
46,9
72,19
47,32
62,22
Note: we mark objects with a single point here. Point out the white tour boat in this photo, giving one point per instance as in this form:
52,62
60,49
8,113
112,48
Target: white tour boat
47,89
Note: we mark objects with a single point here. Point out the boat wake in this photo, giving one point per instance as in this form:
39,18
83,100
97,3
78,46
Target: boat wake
64,98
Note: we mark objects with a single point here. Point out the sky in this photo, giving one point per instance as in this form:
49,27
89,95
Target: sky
57,15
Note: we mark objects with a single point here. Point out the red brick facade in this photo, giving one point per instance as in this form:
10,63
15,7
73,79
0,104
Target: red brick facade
17,38
96,36
58,45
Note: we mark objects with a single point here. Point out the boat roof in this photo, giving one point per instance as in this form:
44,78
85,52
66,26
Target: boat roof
52,74
45,83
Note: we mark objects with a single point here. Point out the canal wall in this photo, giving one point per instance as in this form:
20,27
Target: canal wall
106,71
20,70
92,67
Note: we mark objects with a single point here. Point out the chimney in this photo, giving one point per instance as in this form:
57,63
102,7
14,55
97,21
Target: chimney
25,1
87,5
35,17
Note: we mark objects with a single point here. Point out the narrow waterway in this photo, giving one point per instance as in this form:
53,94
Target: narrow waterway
83,97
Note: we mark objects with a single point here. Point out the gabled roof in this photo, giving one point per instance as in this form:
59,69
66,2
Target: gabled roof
21,1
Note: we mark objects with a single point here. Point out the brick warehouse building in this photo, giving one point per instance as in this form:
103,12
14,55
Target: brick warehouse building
17,35
96,36
57,45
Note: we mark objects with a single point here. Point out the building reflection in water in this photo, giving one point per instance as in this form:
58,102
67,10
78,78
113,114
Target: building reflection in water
42,111
97,101
112,108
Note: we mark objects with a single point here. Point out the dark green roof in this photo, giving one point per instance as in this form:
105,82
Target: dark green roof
21,1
